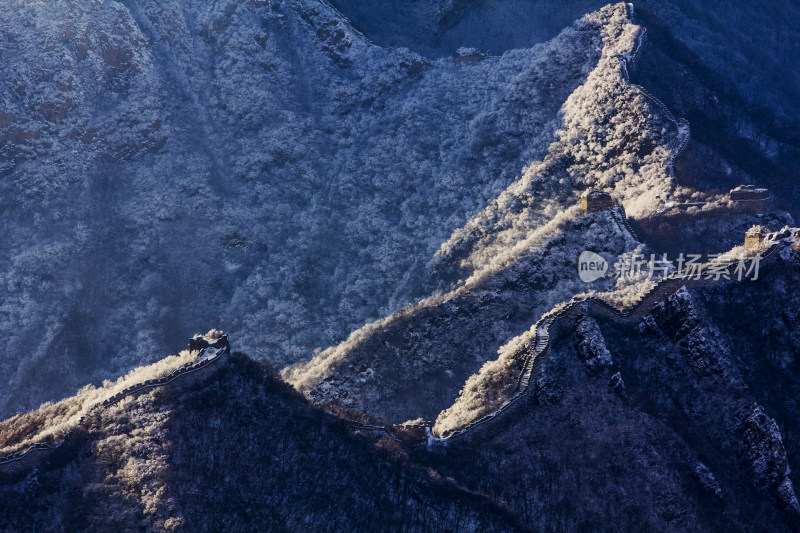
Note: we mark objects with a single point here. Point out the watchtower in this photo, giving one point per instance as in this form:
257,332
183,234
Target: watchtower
592,201
469,55
750,198
753,237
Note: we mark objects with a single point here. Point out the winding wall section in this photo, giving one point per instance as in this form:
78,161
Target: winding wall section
576,306
43,454
571,309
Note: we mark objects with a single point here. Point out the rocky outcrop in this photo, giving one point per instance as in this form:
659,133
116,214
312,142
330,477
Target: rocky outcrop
678,317
763,448
708,481
591,346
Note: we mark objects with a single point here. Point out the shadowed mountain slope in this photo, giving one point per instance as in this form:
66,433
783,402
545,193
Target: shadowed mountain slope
237,450
678,420
682,420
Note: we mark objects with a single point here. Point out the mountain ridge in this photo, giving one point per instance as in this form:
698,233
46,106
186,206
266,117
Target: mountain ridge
153,442
281,171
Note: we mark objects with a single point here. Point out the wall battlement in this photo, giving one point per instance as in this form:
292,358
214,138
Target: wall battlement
45,456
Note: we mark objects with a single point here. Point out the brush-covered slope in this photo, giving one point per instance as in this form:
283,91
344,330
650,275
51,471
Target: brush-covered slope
729,67
413,363
237,450
746,43
682,420
517,256
264,155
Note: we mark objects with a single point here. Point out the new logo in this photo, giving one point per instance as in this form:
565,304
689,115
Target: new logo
591,266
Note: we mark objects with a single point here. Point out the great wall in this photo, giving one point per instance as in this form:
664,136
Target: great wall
563,314
49,455
618,214
576,305
44,455
627,61
682,127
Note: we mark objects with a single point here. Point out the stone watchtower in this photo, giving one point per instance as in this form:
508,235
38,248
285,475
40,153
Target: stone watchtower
592,201
469,55
212,339
750,198
753,237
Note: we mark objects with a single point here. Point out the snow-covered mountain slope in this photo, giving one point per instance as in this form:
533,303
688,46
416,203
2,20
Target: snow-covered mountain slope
440,27
412,364
227,452
258,165
518,255
748,43
730,67
505,383
683,419
680,418
265,167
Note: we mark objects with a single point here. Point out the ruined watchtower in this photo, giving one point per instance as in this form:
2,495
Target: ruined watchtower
592,201
213,339
750,198
469,55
